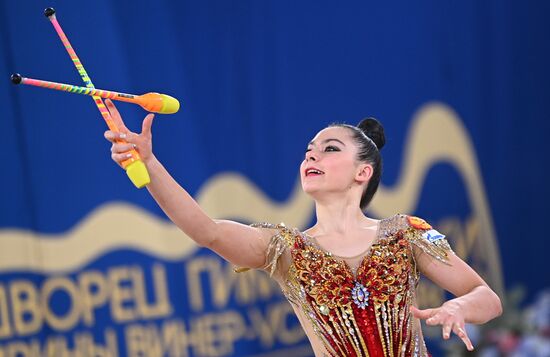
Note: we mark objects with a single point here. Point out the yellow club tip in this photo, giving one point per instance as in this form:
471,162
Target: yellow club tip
138,174
170,105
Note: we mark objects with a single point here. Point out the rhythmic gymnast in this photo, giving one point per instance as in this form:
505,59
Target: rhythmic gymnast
350,278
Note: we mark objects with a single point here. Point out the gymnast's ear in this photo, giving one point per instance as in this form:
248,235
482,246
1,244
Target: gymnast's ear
364,172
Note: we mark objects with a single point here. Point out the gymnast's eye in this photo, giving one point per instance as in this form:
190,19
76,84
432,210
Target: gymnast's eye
332,148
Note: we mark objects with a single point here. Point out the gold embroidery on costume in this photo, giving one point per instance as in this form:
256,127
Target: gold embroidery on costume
366,312
277,244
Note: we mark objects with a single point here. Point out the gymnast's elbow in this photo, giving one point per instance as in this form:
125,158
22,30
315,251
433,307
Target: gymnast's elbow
494,305
497,306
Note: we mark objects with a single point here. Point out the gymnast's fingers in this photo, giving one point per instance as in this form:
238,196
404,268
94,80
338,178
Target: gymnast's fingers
115,115
146,126
460,332
446,331
434,320
110,135
119,148
423,314
119,158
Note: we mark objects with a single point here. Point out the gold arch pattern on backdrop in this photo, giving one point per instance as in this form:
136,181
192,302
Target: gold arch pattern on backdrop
231,195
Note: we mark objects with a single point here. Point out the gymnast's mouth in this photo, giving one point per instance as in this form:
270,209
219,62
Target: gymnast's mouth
312,171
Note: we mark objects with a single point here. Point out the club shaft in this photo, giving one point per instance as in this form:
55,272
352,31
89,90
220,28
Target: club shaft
97,99
80,68
80,90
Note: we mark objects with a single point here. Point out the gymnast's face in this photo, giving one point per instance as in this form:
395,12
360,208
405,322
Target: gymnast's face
330,165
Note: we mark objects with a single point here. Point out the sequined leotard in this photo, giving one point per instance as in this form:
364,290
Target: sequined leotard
361,313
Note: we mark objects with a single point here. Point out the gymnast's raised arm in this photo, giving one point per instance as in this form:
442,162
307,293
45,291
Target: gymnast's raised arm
240,244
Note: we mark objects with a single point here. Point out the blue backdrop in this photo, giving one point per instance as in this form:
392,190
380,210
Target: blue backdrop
88,262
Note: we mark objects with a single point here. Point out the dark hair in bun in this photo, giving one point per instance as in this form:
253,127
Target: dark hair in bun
373,130
369,136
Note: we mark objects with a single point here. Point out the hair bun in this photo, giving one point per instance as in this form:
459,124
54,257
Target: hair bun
374,130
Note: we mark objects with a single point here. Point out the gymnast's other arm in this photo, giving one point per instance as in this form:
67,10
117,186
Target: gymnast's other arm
240,244
475,302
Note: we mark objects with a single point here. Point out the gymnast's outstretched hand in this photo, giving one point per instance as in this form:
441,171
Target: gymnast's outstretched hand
125,140
450,316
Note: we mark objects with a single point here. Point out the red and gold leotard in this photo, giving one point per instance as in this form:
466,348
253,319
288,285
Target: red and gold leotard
362,311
